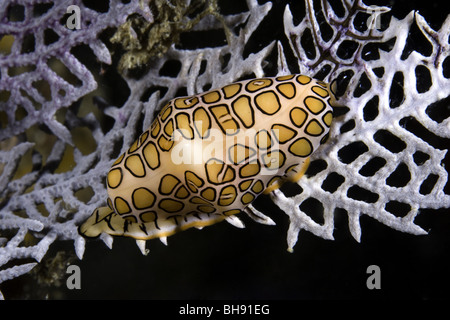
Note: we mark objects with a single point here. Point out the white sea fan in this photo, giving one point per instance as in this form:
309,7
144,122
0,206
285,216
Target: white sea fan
37,203
373,163
376,163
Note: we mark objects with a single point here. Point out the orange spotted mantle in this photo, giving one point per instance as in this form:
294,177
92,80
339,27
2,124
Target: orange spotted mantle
208,156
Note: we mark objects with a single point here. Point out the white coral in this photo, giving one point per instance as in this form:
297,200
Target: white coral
414,105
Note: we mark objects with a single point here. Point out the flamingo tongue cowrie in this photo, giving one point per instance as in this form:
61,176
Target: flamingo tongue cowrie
207,157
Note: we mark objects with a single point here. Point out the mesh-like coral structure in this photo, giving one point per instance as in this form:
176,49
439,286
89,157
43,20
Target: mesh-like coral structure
378,162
